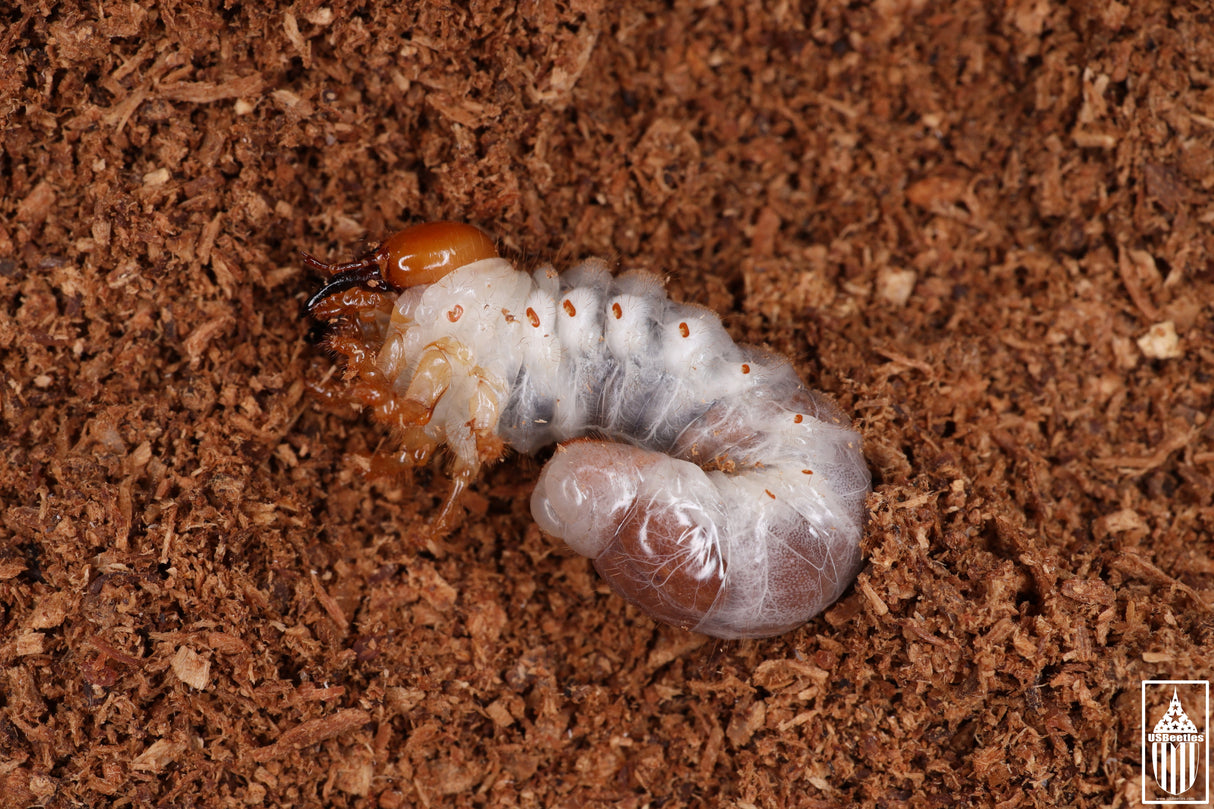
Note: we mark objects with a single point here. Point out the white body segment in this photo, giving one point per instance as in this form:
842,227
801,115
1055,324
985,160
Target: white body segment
743,488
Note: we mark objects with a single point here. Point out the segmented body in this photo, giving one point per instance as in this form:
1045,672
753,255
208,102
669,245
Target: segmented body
715,490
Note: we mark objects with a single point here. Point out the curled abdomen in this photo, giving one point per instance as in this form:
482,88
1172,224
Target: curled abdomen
749,552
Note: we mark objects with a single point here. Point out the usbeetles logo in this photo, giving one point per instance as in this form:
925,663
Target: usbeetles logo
1175,751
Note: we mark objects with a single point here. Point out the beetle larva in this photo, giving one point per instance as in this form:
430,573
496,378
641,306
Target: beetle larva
710,486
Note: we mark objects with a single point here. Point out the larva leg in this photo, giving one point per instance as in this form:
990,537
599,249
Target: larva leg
417,446
471,403
330,391
445,520
486,446
486,410
476,442
372,389
430,381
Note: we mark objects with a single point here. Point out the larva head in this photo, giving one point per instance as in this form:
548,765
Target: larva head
419,254
424,253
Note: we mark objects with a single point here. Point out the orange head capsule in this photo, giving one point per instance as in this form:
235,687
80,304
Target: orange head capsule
419,254
424,253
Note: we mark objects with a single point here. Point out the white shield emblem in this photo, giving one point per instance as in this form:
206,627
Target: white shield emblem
1174,759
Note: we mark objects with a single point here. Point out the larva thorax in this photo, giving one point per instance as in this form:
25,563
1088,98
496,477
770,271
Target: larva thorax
715,472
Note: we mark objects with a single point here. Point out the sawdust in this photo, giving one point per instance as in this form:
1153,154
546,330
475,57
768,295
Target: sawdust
966,224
